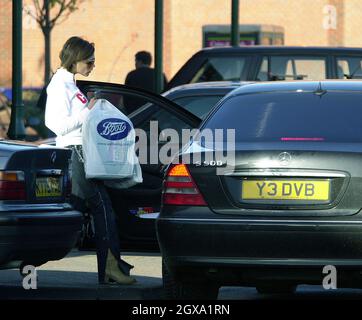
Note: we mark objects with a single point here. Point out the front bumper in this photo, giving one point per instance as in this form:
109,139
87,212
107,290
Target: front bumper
37,237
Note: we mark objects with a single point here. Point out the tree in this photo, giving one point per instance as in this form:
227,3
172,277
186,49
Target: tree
49,13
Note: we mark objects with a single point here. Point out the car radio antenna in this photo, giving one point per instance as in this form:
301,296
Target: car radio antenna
320,92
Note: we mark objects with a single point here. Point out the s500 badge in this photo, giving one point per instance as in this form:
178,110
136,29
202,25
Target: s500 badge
212,163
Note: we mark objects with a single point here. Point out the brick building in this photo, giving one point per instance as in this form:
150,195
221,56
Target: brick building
121,28
5,43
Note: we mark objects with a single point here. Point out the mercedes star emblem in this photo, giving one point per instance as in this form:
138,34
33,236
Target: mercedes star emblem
284,158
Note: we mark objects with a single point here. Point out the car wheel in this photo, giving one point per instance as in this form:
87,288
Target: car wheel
276,288
180,290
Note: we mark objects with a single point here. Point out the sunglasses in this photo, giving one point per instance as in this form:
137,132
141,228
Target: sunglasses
90,63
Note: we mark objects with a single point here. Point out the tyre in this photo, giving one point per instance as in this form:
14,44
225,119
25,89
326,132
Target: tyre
179,290
276,288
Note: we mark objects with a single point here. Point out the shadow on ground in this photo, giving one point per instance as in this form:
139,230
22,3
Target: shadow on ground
68,285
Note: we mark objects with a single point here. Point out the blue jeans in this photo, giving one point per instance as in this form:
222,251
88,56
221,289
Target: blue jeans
96,196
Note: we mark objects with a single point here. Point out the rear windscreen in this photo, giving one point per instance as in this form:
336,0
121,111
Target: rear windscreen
292,116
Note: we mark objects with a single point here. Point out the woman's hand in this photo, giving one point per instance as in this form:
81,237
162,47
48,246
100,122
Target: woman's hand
91,103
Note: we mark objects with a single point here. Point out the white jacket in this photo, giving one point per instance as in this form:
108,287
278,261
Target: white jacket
66,109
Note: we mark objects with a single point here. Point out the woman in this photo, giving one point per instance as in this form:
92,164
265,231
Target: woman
66,109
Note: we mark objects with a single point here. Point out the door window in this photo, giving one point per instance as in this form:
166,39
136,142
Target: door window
292,68
349,68
152,123
126,103
153,112
221,69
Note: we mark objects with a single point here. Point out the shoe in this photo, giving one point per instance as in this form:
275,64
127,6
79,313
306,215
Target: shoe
113,274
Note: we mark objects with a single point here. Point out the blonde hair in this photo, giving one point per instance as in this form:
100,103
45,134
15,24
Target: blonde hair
75,49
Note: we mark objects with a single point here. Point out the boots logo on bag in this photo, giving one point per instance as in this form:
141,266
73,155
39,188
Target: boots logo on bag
113,129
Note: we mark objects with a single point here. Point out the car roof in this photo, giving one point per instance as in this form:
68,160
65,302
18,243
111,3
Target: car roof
300,86
205,87
283,49
6,143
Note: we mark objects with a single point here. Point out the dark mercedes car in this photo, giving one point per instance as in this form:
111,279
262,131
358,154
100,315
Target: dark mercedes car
36,222
270,63
282,203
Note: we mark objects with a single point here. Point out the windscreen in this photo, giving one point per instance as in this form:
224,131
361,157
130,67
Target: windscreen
334,116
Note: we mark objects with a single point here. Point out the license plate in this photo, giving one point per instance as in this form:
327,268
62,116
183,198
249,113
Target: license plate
313,190
48,187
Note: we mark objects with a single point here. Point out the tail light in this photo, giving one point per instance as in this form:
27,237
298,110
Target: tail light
12,185
180,188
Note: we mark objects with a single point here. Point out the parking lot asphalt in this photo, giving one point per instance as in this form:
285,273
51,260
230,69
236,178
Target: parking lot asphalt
75,277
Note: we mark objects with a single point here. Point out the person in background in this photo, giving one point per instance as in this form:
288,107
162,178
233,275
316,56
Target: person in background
66,109
142,77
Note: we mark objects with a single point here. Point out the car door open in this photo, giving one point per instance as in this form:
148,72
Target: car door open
157,121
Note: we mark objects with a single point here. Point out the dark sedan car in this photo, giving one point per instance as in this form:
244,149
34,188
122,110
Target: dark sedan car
270,63
36,222
282,204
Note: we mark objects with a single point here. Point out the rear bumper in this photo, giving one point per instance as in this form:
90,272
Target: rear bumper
37,237
248,250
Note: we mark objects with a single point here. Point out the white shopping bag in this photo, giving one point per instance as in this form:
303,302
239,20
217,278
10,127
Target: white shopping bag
126,182
109,144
